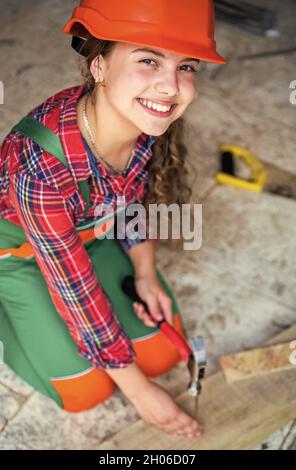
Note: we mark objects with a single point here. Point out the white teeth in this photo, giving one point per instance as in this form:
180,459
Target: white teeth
157,107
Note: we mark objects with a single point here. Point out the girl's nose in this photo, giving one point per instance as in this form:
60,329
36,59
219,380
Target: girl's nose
168,83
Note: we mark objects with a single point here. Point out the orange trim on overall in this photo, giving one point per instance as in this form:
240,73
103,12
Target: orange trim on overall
25,250
155,356
22,251
85,391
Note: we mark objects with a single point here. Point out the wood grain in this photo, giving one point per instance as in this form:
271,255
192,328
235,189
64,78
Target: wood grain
235,416
251,363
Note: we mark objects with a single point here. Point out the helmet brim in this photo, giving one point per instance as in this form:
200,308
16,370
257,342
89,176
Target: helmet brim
80,27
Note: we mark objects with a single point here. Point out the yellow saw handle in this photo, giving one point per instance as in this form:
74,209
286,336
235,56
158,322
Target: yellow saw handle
258,172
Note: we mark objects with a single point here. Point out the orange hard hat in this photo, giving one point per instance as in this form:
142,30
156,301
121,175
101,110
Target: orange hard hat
181,26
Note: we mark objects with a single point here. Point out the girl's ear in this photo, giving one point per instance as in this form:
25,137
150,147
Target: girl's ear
95,67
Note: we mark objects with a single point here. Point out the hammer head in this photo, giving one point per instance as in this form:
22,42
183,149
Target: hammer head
196,365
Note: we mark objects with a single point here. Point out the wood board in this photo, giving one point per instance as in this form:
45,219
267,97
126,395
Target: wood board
235,416
254,362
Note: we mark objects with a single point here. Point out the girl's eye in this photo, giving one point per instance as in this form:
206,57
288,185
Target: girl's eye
151,60
192,68
143,60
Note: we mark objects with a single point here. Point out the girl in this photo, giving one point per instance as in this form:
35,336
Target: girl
66,325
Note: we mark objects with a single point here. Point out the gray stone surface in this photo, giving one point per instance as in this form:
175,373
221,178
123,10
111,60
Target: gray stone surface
250,236
40,424
230,314
10,405
12,381
239,288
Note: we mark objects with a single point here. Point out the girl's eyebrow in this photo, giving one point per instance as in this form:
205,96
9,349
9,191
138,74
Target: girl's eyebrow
160,54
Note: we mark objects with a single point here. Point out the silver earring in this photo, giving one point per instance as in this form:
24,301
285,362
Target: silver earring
102,83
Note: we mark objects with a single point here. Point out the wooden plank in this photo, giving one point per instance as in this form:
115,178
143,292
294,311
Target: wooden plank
254,362
235,416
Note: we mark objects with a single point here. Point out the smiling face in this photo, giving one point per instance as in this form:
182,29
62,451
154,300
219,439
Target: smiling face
149,89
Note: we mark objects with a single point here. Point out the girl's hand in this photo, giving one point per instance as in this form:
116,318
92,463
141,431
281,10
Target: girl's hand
159,303
155,405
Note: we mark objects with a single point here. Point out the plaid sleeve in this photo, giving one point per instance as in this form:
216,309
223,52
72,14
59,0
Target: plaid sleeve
72,283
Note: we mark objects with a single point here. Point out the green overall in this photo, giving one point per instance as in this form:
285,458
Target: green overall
36,342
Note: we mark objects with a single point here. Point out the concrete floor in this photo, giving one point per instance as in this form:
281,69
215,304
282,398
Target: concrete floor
239,288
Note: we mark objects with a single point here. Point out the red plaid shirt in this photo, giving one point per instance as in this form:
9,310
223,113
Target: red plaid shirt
41,195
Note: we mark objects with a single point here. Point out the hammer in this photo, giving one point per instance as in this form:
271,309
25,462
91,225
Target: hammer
193,354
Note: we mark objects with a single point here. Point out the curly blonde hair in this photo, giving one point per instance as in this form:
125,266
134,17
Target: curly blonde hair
168,171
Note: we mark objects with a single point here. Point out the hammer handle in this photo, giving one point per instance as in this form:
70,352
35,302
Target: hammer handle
182,346
128,287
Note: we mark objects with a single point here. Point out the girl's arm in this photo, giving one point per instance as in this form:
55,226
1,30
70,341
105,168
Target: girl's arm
143,258
72,282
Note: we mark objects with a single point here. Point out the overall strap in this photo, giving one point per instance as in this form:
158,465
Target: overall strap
51,143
